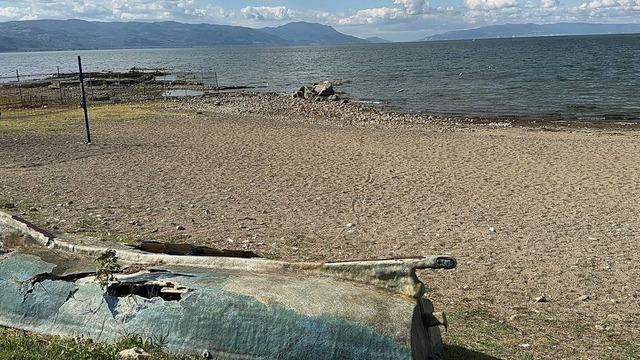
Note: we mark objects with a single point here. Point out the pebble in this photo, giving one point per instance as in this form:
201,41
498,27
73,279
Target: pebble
180,228
492,229
584,298
541,299
337,112
524,346
135,353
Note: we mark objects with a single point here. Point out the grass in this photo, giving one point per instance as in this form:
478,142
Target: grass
477,333
60,119
21,345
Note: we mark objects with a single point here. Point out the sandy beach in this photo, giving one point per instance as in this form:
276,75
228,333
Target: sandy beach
530,211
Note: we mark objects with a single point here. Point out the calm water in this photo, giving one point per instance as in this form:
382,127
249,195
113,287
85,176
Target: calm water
572,78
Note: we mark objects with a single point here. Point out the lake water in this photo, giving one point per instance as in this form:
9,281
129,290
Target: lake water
561,78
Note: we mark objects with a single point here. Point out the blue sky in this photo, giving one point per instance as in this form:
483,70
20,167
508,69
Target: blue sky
392,19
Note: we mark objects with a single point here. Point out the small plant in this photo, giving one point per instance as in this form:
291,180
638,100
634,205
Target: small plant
106,266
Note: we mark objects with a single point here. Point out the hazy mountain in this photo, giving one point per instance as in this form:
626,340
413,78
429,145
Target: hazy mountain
530,30
79,34
377,40
304,33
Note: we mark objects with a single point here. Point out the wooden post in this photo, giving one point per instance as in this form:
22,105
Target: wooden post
215,74
19,88
83,103
60,87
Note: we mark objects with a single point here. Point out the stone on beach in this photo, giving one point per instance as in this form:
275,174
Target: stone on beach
324,89
134,354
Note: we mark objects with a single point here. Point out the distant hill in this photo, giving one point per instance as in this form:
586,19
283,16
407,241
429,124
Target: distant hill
377,40
304,33
78,35
531,30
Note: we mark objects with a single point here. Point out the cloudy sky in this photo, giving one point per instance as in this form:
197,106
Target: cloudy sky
392,19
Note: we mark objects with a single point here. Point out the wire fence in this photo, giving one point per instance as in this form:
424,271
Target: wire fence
55,90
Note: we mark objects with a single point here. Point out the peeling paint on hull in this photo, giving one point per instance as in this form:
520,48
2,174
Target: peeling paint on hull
266,312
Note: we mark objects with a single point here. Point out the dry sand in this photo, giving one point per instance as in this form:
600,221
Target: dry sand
527,212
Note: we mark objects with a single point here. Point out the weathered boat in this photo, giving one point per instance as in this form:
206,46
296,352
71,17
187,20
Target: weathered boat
227,307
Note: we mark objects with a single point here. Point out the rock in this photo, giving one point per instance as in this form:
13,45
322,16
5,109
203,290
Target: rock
350,225
334,97
524,346
309,93
180,228
135,353
324,89
299,94
584,298
492,229
541,299
602,327
9,206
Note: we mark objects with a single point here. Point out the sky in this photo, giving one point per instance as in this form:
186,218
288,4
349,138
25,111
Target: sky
398,20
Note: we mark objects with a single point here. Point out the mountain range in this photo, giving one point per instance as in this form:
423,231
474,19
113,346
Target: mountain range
34,35
41,35
533,30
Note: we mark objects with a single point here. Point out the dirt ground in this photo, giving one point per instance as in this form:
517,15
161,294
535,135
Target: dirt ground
528,213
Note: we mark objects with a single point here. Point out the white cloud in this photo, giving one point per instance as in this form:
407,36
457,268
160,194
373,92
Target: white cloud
405,10
490,4
374,16
549,4
611,4
265,13
123,10
413,7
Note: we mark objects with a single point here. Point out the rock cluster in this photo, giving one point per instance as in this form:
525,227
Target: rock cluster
339,113
317,91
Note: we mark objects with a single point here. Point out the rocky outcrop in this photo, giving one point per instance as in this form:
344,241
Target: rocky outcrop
319,91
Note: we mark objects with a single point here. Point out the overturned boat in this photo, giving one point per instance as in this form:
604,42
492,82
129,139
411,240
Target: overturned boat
227,306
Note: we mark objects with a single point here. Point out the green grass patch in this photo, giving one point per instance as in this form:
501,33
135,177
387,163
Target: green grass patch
21,345
60,119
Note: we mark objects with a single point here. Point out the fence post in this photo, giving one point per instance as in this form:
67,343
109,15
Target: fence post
60,87
83,102
19,88
215,75
202,80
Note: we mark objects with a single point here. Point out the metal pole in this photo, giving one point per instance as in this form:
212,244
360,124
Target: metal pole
83,103
19,88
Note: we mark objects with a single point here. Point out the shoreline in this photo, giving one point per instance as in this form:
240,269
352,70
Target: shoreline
143,85
362,112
